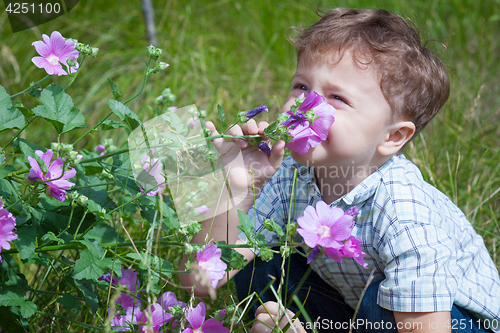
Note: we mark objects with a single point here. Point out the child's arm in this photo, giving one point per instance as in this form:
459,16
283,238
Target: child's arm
255,169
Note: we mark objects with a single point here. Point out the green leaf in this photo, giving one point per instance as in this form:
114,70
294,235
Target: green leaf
69,302
125,114
89,291
110,124
114,89
246,224
9,322
59,110
26,242
10,116
222,116
20,147
104,234
14,296
4,172
24,110
273,226
90,266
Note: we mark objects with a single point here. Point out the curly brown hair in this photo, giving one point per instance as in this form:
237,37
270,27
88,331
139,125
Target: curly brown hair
414,81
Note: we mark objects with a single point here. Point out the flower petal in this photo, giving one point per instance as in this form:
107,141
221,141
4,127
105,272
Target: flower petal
197,316
42,48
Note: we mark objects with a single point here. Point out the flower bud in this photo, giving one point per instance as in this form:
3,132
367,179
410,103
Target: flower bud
94,52
168,95
82,200
159,100
71,62
154,52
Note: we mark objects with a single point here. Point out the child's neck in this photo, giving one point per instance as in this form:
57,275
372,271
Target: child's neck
336,181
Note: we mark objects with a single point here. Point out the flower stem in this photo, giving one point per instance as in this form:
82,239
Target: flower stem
30,87
76,74
19,132
128,100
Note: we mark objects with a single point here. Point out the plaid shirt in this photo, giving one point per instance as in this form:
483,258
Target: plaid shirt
418,241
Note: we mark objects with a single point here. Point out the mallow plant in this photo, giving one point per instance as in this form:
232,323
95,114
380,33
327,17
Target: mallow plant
90,237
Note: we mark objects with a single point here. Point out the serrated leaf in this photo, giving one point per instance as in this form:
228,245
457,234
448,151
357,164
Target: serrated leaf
114,89
12,297
18,147
10,117
124,113
59,110
24,110
26,242
222,116
28,309
90,266
246,223
6,169
88,289
110,124
69,301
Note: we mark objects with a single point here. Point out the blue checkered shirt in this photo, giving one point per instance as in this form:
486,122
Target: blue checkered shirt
418,241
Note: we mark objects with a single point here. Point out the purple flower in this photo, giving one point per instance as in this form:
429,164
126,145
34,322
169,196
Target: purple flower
168,299
153,166
315,252
324,226
54,171
159,317
294,119
129,278
209,260
129,303
310,124
107,278
196,318
265,148
244,116
122,323
7,224
191,122
203,209
55,49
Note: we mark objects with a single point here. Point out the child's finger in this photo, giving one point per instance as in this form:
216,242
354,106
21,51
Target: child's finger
237,131
262,126
277,152
213,132
250,127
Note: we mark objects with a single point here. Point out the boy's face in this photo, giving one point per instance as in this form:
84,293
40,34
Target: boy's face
362,119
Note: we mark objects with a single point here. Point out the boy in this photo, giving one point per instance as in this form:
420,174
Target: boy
432,271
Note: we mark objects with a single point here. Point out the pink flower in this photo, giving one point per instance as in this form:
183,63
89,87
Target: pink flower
159,317
168,299
203,209
153,166
352,249
129,278
55,49
209,260
7,224
196,318
100,149
54,178
324,226
310,123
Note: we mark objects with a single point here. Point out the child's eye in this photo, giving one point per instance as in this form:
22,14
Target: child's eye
300,86
338,98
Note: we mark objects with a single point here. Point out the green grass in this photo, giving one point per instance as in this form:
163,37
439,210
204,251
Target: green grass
235,53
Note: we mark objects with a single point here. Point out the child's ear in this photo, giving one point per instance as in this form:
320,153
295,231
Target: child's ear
399,134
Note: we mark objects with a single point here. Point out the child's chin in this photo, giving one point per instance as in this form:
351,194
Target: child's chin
306,159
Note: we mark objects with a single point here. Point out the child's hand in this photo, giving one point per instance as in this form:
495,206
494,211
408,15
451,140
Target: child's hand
252,161
267,316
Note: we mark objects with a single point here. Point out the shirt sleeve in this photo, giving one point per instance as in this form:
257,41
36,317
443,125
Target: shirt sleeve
420,271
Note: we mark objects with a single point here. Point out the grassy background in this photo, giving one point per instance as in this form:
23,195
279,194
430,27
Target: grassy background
235,53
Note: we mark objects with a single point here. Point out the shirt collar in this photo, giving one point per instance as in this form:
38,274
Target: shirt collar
361,192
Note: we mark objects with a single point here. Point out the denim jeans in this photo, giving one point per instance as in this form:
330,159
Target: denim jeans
324,305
